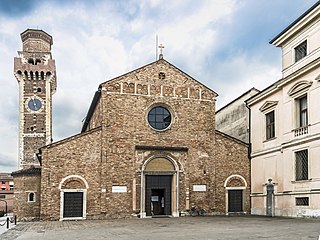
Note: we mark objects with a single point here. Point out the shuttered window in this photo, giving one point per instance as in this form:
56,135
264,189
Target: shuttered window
303,111
302,201
270,125
302,165
300,51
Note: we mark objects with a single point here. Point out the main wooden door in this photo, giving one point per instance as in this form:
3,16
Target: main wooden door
158,194
235,201
73,204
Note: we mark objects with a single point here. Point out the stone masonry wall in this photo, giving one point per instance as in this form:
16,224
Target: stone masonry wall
126,102
79,155
108,156
231,159
23,185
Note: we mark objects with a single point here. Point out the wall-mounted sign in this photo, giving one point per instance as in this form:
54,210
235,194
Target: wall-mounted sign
199,188
119,189
154,198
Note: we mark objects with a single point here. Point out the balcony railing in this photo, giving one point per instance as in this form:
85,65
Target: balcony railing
301,131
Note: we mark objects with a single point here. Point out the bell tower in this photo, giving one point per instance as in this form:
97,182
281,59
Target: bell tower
35,72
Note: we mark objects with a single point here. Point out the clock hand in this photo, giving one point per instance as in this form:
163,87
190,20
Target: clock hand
35,105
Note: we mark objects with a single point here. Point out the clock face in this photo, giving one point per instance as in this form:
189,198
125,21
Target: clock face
34,103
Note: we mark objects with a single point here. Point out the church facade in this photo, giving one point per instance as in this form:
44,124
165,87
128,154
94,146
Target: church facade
148,147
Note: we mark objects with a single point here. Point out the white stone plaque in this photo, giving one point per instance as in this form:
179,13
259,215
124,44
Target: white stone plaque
119,189
154,198
199,188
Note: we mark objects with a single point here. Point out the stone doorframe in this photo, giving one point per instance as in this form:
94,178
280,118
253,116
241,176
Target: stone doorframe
174,186
83,190
243,187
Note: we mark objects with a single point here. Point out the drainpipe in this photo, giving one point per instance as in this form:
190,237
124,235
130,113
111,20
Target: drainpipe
250,145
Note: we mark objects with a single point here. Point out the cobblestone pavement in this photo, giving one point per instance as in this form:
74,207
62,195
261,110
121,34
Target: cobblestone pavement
248,227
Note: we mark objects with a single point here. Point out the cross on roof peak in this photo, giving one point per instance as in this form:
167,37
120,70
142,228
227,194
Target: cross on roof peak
161,47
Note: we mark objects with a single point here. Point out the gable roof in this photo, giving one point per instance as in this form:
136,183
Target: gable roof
166,62
97,95
234,100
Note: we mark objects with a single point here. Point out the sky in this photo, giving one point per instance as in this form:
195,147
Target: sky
222,43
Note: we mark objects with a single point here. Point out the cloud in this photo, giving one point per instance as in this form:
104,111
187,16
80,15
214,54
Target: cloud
222,43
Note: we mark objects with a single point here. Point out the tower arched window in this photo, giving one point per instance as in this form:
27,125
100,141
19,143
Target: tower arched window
31,197
31,61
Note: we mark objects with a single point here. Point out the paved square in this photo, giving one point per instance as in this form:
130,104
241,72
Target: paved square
246,227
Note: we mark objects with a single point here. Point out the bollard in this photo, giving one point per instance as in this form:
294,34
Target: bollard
8,220
15,219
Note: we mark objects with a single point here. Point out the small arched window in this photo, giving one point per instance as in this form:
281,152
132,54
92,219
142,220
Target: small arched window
38,89
38,61
31,197
31,61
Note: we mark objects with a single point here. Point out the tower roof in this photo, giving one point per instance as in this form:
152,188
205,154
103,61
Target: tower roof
36,34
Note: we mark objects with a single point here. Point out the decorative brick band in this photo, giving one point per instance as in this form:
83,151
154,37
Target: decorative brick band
162,148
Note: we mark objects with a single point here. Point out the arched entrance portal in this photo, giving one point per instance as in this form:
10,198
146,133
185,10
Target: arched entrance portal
73,198
235,186
159,188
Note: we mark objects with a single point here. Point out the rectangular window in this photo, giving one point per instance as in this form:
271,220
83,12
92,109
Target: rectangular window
303,111
301,165
270,125
3,196
302,201
300,51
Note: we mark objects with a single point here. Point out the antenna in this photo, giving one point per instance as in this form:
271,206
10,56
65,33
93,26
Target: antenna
156,47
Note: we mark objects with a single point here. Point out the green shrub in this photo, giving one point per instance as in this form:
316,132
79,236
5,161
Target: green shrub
1,213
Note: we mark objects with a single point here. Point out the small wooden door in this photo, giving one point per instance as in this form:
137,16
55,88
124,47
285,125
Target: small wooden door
73,204
235,201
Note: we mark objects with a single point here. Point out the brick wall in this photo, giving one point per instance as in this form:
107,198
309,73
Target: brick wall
25,182
231,159
79,155
108,156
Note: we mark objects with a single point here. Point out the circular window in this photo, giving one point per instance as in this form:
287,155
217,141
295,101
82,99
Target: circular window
159,118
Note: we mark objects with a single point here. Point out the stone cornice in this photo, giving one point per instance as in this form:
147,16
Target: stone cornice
161,148
280,83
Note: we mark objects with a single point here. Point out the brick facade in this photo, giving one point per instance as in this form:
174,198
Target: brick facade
119,165
26,182
117,149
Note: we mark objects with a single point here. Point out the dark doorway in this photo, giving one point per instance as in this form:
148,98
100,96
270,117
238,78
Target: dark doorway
158,195
73,204
235,201
157,201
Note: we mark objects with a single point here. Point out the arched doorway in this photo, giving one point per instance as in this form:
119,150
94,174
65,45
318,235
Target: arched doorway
159,188
73,198
235,186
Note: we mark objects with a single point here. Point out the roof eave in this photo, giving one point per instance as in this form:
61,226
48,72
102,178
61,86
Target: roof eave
311,13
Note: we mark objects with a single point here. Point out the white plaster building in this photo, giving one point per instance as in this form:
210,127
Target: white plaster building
285,125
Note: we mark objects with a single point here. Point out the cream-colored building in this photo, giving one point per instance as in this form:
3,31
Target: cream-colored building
285,125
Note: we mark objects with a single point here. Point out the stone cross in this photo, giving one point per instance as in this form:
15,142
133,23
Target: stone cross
161,49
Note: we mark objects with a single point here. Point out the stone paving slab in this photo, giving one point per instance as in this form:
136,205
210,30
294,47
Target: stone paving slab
248,227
